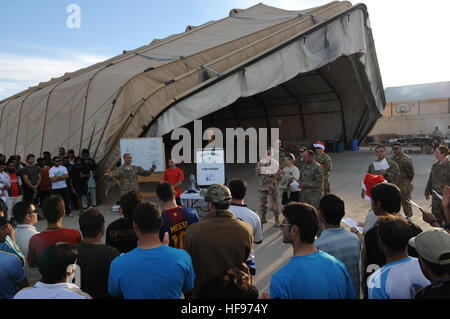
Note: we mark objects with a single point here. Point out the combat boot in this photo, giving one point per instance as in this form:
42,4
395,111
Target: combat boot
277,221
263,218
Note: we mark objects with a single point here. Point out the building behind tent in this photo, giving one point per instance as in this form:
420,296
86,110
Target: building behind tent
414,111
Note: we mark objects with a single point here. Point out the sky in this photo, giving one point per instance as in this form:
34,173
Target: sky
43,39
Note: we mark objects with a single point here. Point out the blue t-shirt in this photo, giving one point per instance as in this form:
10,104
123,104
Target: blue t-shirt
346,247
314,276
9,247
11,273
158,273
401,279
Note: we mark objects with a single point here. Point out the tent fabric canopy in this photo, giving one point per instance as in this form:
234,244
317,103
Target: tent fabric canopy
158,87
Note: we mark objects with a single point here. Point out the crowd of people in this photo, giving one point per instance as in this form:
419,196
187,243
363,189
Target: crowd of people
72,177
164,250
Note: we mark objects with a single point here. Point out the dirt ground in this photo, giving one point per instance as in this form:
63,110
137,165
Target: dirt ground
348,171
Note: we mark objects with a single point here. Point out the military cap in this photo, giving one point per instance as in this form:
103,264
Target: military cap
303,149
217,193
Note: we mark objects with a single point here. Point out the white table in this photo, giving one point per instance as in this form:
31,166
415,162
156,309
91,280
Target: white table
192,199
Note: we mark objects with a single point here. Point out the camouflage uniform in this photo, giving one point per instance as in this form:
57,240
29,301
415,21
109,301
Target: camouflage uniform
281,155
312,175
325,161
128,177
268,186
439,177
404,180
392,172
300,163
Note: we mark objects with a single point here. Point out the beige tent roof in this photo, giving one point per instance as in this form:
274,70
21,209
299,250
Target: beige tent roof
168,83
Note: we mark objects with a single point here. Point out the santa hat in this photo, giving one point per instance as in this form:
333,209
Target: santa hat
320,144
369,182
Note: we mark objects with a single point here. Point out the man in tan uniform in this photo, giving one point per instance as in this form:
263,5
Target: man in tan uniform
267,170
390,174
404,180
281,152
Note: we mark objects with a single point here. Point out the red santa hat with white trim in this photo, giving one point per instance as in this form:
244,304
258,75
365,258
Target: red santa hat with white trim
369,182
320,144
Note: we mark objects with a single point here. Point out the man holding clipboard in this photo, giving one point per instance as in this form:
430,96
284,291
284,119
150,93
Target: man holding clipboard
384,166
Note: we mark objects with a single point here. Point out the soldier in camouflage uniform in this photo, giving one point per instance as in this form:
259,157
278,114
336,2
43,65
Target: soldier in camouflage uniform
325,161
404,180
299,162
127,175
439,178
311,181
267,169
281,152
392,173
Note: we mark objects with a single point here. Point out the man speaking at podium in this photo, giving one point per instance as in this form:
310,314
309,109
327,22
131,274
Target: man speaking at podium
127,174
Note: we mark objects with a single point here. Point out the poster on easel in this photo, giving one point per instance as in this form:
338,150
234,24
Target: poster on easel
145,152
210,166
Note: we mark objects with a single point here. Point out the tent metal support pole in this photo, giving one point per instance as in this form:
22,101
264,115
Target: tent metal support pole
340,104
300,107
3,110
104,128
45,115
20,115
85,107
18,124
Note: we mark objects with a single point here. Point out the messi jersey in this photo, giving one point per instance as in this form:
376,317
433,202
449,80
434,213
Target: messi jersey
175,222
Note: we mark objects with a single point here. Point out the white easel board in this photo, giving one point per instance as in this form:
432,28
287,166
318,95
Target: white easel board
145,151
210,166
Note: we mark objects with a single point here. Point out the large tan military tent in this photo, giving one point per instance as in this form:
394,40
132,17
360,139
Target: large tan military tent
313,73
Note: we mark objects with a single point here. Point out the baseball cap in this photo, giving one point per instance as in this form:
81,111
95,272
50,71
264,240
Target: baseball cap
217,193
433,245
